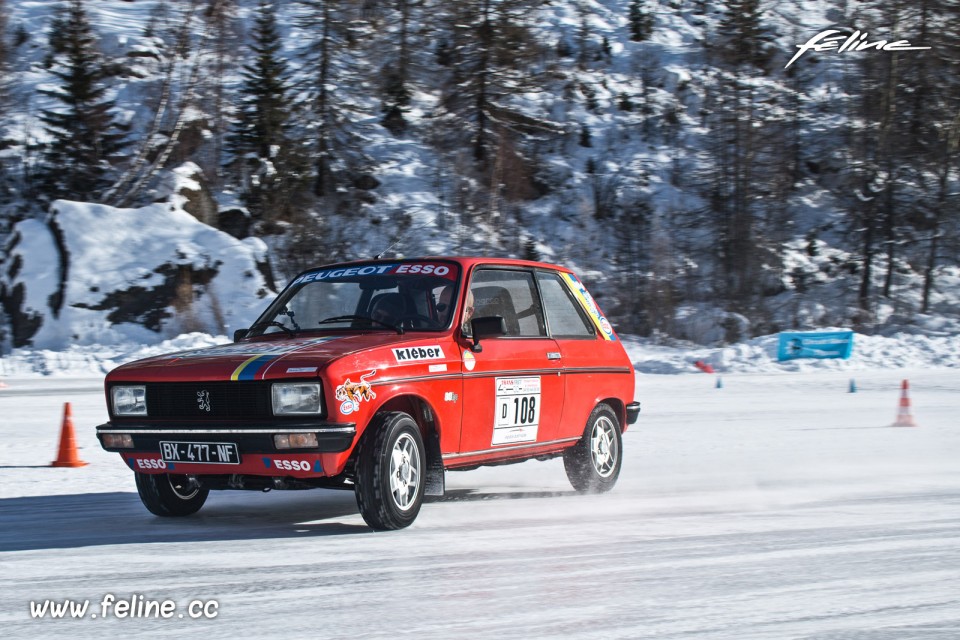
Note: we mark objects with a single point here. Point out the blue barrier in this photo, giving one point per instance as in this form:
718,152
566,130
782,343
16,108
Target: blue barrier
815,344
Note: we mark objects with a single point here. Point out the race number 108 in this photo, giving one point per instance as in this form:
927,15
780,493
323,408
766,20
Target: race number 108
518,411
518,402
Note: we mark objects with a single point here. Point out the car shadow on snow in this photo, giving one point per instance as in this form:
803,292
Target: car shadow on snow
25,466
473,495
96,519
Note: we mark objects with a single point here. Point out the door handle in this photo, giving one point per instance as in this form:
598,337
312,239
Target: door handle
553,355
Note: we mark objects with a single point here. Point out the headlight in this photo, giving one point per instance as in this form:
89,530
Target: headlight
129,400
297,398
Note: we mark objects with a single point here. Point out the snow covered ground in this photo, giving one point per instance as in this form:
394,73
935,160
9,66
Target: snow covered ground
778,506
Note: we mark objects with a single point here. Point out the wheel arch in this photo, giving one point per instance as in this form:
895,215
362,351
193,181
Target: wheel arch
427,419
618,407
417,407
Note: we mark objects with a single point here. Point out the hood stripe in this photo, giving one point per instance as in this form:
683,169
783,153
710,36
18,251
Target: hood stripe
259,364
248,370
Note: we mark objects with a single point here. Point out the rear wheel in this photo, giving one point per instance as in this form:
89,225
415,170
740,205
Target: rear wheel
391,463
593,464
170,495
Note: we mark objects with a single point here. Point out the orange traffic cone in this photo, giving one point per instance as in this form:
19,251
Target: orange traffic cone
904,419
67,457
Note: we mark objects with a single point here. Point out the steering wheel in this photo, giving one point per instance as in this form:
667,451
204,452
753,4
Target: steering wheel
417,321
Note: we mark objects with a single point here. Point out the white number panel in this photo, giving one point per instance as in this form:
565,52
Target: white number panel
517,410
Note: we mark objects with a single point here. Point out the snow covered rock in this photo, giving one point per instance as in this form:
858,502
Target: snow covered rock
94,274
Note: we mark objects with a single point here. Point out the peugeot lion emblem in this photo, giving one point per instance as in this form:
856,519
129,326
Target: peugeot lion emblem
203,400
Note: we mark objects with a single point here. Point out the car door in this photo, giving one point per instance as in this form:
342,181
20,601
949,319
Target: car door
512,387
595,365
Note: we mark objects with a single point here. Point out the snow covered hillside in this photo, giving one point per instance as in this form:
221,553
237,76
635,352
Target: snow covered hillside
660,148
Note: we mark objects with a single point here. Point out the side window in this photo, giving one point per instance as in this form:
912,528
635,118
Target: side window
564,315
511,295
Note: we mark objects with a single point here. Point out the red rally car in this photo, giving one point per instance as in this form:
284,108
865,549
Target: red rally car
378,377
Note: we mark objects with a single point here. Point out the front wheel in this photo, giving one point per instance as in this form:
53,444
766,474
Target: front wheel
391,462
170,495
593,464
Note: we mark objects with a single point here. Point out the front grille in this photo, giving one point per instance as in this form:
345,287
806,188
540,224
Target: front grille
211,400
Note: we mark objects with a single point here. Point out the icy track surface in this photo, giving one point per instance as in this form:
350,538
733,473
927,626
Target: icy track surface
779,506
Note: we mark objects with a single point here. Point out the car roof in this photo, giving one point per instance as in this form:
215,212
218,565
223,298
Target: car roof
466,262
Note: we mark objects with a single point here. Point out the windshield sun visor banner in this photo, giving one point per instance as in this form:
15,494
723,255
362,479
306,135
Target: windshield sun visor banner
438,269
586,301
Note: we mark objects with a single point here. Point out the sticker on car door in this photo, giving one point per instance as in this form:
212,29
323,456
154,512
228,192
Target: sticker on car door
517,410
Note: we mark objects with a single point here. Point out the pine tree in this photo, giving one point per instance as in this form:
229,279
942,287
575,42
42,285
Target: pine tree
746,187
265,110
261,143
3,37
937,128
4,81
397,75
321,20
888,179
641,22
85,136
493,57
4,66
220,16
742,37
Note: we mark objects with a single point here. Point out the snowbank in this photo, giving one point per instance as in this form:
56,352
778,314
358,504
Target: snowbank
96,275
901,351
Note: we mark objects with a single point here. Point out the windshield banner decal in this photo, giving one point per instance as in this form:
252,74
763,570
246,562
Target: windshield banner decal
406,268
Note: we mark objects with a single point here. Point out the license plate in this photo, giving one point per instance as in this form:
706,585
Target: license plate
200,452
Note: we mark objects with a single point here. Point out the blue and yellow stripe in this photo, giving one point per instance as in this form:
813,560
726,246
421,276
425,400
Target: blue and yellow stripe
253,365
250,367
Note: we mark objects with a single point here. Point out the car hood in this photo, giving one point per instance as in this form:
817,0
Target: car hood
300,357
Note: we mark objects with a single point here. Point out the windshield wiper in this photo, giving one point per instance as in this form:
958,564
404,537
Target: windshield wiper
334,319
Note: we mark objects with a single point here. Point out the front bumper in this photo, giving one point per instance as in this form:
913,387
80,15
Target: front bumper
332,437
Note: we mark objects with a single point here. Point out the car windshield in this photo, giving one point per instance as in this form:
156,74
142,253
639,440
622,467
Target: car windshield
398,296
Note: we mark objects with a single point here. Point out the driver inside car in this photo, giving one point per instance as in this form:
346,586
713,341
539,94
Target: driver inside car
387,309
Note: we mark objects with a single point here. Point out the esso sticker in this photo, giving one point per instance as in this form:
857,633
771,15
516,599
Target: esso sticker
605,325
292,465
424,269
151,463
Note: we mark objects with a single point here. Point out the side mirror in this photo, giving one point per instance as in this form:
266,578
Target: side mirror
240,334
486,327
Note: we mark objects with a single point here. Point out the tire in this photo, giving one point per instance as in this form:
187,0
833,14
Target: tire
391,467
593,464
169,496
